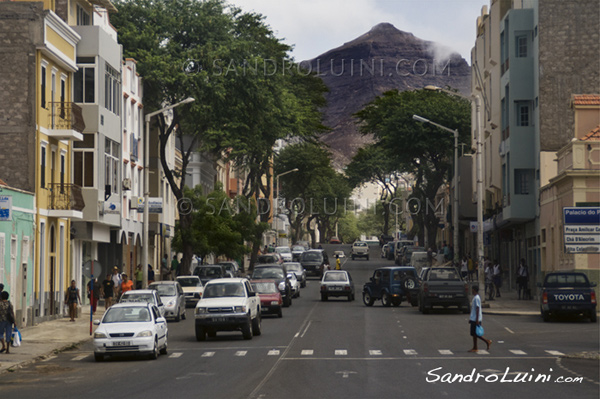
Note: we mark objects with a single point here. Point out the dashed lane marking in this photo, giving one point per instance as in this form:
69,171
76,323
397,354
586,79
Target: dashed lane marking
307,352
445,352
482,352
241,353
375,352
175,355
208,354
517,352
80,357
555,353
410,352
273,352
341,352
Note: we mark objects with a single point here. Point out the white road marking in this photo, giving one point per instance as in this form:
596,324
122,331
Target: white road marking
80,357
517,352
306,329
273,352
341,352
405,337
307,352
49,358
375,352
410,352
345,374
482,352
509,330
241,353
175,355
555,353
445,352
208,354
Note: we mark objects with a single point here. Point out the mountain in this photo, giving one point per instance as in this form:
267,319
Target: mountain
382,59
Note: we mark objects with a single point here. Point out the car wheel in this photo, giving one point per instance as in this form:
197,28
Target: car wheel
367,257
386,300
247,330
352,257
323,297
164,350
279,313
349,297
298,294
98,357
256,325
178,317
154,354
183,315
200,334
593,316
368,299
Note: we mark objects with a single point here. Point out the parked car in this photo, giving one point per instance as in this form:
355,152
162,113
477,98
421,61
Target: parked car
335,240
279,274
192,289
298,270
297,251
567,293
147,296
295,284
406,254
443,286
210,272
232,267
339,254
228,304
171,294
285,253
337,283
419,260
267,259
392,285
360,249
271,300
315,262
130,328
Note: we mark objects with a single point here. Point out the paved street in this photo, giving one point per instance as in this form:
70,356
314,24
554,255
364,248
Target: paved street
336,349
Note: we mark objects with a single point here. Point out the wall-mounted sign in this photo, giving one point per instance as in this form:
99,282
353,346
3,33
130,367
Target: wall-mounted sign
581,230
112,208
5,208
155,205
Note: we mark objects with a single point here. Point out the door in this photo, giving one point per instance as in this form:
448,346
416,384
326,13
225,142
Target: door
51,276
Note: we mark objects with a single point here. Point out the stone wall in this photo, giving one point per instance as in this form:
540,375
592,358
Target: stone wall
21,26
569,63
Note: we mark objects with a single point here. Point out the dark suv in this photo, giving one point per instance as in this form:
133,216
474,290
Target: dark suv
315,262
278,273
210,272
392,285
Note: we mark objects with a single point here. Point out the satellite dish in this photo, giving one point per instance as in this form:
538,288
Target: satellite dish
87,269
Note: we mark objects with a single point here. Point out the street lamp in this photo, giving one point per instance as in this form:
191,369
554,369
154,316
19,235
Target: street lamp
277,208
479,167
147,186
455,206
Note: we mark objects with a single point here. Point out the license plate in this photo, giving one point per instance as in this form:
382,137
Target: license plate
336,288
446,296
219,319
121,343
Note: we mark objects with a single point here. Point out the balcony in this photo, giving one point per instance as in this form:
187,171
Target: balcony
65,201
65,121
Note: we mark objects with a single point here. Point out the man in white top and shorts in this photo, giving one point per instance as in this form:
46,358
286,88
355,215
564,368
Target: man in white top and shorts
475,319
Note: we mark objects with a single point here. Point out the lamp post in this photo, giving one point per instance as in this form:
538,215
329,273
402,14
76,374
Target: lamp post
479,169
455,202
275,224
147,184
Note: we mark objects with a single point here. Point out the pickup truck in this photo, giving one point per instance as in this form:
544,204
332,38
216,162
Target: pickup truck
360,249
443,286
567,293
228,304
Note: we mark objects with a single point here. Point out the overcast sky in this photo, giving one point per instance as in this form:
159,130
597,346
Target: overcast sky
316,26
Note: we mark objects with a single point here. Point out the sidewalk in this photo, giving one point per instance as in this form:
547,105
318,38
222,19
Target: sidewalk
43,340
509,304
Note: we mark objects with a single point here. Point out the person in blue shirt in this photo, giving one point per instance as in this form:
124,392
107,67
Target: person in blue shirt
475,319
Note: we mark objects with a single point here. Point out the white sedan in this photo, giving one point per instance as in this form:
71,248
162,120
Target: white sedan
295,283
131,328
285,253
192,289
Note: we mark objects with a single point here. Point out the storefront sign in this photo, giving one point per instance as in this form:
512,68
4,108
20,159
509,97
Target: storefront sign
582,229
155,205
5,208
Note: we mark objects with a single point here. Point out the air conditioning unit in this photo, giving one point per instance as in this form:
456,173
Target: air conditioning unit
126,184
133,203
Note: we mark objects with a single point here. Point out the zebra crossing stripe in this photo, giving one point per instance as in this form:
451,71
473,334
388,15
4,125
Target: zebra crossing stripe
208,354
375,352
273,352
517,352
175,355
482,352
445,352
307,352
241,353
410,352
80,357
341,352
555,353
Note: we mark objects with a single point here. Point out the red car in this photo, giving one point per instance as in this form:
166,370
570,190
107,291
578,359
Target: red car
271,301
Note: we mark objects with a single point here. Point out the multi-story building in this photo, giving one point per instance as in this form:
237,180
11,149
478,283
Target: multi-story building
527,63
40,125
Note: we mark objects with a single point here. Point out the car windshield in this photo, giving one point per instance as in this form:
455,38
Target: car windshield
267,273
442,274
567,280
126,315
223,290
147,298
189,282
265,288
297,248
283,250
312,257
335,276
360,244
164,289
293,267
208,272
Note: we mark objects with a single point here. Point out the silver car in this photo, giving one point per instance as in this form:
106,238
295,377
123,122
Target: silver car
295,285
298,270
172,296
337,283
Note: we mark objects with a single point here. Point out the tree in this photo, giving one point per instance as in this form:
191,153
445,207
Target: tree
420,149
213,52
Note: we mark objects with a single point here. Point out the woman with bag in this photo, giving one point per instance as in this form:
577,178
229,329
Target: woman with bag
7,319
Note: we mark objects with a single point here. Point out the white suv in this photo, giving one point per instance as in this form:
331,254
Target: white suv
360,249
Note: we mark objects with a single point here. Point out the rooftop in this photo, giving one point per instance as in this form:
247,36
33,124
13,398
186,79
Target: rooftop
586,99
594,135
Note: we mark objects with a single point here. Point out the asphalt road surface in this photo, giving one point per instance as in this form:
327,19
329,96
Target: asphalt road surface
337,349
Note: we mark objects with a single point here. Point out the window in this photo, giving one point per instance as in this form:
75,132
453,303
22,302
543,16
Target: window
83,159
43,88
62,172
523,181
43,167
85,84
521,46
112,89
522,113
83,18
63,96
111,165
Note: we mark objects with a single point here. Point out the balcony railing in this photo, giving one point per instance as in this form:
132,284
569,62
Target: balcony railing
66,197
66,116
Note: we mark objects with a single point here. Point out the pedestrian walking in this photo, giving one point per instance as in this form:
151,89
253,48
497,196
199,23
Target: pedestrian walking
7,320
475,320
338,263
522,278
126,285
108,291
470,267
93,294
72,298
497,278
139,277
174,267
117,279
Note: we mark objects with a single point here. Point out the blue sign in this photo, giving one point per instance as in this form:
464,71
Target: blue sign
582,230
5,207
582,215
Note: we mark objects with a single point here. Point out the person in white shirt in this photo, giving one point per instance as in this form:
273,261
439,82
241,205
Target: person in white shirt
475,319
464,268
497,278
